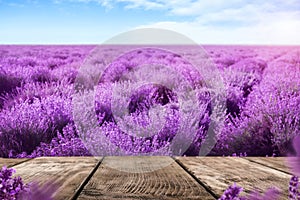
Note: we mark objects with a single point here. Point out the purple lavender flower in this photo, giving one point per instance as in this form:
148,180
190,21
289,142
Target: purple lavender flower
270,194
13,188
269,119
293,188
10,188
37,192
66,143
36,86
232,193
293,161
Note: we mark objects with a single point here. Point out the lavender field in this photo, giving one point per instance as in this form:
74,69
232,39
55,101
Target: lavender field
37,84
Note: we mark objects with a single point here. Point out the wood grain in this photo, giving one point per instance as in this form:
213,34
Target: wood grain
153,178
279,163
217,173
66,172
8,162
142,178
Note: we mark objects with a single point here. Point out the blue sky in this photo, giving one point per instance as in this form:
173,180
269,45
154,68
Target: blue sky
205,21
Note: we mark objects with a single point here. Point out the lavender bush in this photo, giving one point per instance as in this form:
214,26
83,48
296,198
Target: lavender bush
270,115
37,85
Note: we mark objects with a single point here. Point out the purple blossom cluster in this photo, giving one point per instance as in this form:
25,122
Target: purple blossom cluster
293,161
35,100
10,187
13,188
37,86
65,144
263,113
293,188
152,129
233,193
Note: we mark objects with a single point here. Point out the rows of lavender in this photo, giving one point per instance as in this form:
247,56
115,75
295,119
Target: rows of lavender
262,85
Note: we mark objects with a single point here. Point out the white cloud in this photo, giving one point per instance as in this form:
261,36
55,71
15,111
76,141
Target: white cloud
196,7
176,7
148,5
230,21
262,23
283,31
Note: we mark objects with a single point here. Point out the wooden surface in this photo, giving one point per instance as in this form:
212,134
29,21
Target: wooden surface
277,162
218,173
152,178
10,162
142,178
67,173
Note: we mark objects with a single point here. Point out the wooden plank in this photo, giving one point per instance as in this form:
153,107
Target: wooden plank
279,163
217,173
9,162
150,178
67,172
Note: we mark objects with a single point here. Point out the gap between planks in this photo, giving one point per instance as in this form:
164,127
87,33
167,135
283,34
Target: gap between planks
68,173
87,179
269,166
217,173
196,179
90,175
12,162
143,178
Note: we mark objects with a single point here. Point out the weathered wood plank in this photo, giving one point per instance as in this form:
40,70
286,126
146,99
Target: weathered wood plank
67,172
279,163
8,162
142,178
217,173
